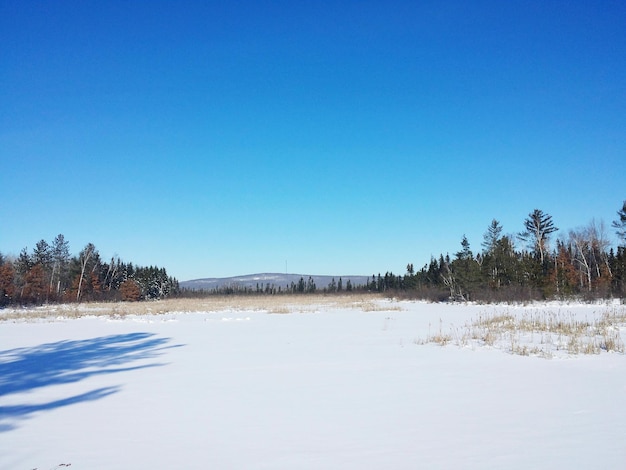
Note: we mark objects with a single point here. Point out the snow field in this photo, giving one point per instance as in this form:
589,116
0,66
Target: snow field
327,388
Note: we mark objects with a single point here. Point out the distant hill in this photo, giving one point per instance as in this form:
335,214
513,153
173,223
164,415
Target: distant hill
275,279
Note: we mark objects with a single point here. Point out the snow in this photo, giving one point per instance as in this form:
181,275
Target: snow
333,388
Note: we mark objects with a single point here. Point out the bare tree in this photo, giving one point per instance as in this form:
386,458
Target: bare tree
600,245
88,252
113,271
580,243
589,245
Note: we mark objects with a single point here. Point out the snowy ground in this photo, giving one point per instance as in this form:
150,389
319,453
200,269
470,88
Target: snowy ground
329,388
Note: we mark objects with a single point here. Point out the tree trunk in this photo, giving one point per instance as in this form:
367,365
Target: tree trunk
85,259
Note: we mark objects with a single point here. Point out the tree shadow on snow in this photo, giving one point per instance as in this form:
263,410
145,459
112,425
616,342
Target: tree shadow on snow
26,369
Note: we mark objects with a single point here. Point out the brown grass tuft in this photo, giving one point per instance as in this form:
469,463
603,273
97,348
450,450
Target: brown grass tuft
278,304
541,333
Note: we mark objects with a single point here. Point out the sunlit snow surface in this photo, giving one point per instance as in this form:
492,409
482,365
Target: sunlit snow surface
324,389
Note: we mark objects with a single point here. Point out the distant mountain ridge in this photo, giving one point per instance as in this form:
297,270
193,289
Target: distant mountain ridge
273,279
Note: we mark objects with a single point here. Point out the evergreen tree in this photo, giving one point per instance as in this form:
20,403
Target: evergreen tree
618,268
491,237
23,265
42,254
620,224
60,254
435,271
35,285
466,252
465,271
505,262
538,226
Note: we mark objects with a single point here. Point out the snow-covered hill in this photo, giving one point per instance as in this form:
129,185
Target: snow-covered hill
273,279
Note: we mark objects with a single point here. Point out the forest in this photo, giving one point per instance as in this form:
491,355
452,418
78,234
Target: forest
580,264
534,264
528,265
50,274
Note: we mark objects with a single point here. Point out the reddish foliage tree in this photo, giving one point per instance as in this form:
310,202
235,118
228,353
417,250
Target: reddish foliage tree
95,285
35,285
130,290
7,283
562,274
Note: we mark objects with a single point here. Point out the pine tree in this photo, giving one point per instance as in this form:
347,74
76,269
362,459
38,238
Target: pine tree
60,253
34,289
465,271
22,264
618,267
42,254
492,236
466,252
538,226
504,263
620,224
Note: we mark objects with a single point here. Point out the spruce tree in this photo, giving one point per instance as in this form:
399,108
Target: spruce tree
620,224
491,236
60,252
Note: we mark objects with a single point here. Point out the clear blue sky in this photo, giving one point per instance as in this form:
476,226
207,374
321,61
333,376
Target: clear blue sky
341,137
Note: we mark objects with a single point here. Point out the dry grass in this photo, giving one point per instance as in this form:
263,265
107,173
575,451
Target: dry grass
278,304
542,333
440,338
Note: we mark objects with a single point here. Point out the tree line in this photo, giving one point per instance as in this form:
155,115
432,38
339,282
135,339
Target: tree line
509,267
303,286
49,273
523,266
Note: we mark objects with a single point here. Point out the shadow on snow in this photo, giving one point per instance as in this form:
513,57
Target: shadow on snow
26,369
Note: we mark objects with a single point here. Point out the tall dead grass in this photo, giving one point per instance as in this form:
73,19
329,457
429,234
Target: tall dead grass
278,304
542,333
